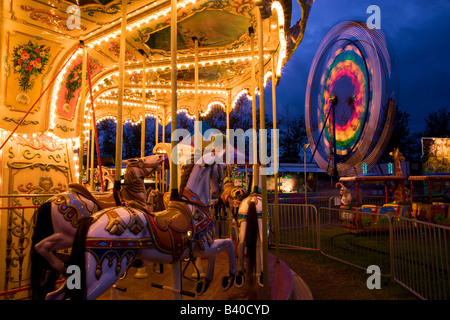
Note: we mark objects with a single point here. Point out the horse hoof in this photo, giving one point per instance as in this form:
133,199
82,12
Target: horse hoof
240,279
201,288
138,263
261,280
228,281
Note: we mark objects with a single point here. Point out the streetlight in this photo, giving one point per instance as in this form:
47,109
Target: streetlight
305,146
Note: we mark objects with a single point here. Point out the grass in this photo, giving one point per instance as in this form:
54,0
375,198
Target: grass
329,279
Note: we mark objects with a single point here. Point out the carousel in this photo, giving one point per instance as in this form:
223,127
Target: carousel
67,65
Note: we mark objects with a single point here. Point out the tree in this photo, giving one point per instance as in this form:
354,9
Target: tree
437,124
409,144
216,119
241,115
107,137
292,138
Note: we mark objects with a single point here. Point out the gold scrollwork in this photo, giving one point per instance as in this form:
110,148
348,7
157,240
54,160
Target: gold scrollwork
28,155
11,153
43,166
56,158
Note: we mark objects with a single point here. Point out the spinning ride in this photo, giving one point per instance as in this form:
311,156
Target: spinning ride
350,99
429,209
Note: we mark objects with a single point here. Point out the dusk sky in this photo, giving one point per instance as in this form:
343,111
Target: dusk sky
418,31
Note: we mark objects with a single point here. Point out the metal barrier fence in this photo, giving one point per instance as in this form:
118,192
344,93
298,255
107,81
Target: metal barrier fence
298,225
421,258
360,248
413,253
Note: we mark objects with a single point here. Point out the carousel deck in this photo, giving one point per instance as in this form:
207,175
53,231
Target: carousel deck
284,285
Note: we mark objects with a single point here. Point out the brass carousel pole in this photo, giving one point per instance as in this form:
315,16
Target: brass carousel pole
157,178
164,124
91,176
263,151
144,99
176,267
275,158
228,111
164,141
83,104
255,141
228,155
141,273
173,76
119,131
197,133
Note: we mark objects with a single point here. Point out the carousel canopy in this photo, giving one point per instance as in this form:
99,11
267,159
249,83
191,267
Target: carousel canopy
47,46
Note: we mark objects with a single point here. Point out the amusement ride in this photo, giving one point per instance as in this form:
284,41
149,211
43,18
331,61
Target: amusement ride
67,65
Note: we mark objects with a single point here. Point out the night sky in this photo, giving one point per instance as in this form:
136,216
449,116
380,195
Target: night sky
418,31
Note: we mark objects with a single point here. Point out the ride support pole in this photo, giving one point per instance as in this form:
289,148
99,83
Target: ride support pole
253,95
275,159
119,131
143,102
263,151
173,77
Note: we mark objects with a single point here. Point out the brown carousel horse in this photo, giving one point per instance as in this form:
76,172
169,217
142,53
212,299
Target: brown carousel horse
231,200
109,240
57,220
249,223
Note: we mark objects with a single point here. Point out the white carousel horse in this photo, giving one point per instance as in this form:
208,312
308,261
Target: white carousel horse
111,239
57,220
249,222
158,201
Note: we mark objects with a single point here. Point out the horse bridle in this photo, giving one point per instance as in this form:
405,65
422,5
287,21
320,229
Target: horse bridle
142,165
137,163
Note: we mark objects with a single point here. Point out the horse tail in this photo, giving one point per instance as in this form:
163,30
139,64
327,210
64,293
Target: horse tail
251,233
43,276
78,258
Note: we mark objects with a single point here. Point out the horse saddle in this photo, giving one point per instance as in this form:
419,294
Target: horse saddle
170,228
177,216
103,202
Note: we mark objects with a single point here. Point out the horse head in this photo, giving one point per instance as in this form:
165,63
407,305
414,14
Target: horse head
137,169
143,167
203,180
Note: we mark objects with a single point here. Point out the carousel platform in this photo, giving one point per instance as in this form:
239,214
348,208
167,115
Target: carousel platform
285,284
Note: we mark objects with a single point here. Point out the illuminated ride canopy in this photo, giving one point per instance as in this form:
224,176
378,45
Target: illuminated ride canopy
350,99
224,58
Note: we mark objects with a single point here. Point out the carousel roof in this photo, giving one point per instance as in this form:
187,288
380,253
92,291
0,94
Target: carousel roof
44,44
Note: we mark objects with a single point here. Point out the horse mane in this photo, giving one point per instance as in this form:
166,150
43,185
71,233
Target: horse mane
187,170
134,185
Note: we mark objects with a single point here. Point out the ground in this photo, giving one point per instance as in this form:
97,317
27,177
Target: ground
332,280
